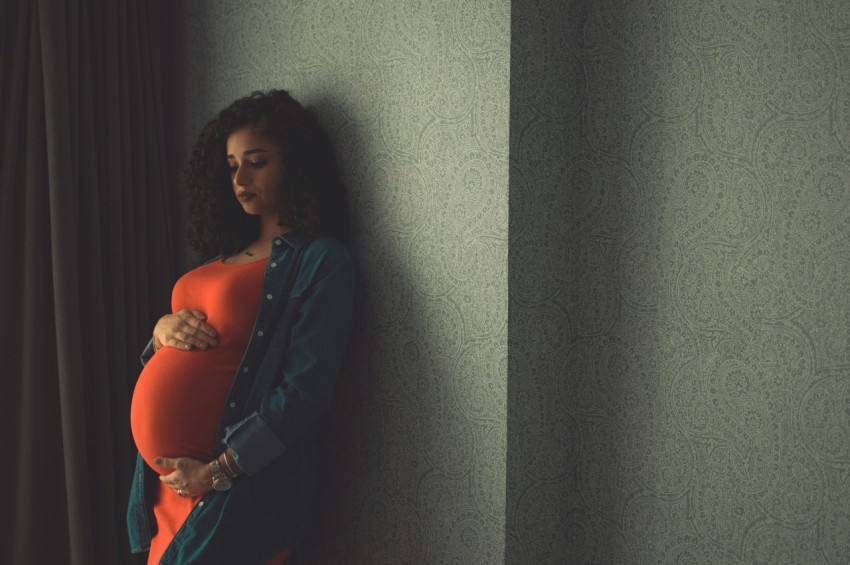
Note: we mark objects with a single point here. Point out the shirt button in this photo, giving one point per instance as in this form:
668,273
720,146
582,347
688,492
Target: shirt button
233,405
277,242
244,369
268,297
260,333
201,503
274,265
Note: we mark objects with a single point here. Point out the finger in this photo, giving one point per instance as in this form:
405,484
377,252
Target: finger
193,317
206,330
181,335
200,333
171,480
175,479
174,483
196,341
168,462
198,328
176,343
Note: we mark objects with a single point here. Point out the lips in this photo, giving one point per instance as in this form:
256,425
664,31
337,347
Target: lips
245,196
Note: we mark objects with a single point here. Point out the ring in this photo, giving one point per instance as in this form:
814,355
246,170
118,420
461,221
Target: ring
180,492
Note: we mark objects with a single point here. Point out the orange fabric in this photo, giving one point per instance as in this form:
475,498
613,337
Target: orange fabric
180,395
170,512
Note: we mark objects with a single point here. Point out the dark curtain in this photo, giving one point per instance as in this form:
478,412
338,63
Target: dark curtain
85,249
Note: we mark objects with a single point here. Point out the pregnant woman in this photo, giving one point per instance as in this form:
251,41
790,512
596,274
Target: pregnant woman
237,377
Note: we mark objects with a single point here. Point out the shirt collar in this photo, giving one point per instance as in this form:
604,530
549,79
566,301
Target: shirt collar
294,240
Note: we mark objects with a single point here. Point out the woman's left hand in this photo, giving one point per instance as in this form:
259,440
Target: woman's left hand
191,477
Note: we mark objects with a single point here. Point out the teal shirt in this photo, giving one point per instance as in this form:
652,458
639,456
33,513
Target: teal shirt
282,387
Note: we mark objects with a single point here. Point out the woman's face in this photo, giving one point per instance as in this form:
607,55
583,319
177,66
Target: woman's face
256,170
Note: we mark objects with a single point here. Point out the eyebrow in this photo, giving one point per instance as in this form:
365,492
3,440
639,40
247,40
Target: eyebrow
249,152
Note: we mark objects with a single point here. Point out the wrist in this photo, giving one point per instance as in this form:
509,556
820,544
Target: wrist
221,481
228,465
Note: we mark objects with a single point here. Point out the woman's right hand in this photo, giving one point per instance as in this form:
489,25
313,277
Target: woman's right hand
184,329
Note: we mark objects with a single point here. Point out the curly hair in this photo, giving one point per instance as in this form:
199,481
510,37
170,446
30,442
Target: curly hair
311,192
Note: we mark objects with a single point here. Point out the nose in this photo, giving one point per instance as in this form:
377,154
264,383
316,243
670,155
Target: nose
241,176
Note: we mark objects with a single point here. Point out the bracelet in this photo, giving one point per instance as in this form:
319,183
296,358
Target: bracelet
227,465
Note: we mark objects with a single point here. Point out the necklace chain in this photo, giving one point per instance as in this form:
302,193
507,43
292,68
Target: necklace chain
251,253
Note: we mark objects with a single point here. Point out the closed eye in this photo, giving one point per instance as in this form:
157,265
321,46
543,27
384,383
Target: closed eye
254,165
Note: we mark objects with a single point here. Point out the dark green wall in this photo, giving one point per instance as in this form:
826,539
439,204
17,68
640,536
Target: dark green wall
679,382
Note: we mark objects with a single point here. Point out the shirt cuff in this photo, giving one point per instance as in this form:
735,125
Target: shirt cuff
253,443
147,353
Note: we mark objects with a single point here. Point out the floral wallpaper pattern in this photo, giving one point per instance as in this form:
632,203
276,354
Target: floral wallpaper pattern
604,262
680,282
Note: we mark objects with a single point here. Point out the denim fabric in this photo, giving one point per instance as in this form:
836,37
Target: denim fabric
283,386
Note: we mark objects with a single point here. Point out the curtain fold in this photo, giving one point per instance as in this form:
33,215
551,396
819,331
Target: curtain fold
86,249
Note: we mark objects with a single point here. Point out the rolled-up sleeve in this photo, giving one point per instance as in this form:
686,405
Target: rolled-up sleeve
312,363
147,353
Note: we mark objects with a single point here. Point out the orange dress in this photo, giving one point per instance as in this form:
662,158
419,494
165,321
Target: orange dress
179,397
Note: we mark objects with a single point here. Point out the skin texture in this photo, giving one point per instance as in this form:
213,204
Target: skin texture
191,476
256,169
184,329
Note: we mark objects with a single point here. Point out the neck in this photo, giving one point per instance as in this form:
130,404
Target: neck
269,228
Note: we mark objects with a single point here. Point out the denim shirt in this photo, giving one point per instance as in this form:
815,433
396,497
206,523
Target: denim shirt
283,386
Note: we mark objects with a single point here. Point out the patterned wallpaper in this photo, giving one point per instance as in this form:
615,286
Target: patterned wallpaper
415,95
679,358
678,354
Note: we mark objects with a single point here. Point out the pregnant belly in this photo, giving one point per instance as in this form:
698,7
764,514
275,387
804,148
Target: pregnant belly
177,403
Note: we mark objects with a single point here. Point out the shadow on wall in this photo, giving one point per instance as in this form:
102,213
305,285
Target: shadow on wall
573,204
371,467
341,441
398,454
